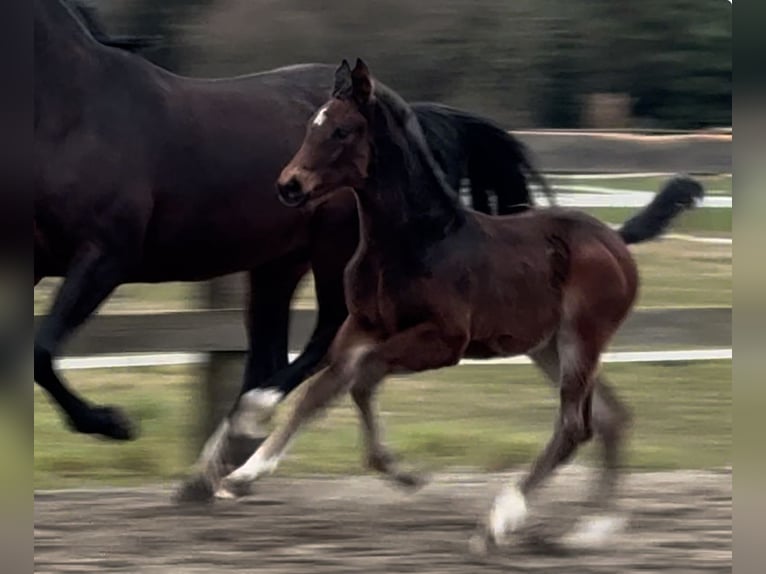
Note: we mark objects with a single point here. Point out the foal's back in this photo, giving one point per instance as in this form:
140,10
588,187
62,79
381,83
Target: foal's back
529,271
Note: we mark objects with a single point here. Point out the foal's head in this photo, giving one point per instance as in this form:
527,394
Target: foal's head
336,150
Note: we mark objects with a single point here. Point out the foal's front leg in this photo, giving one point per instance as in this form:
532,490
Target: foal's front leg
329,385
421,348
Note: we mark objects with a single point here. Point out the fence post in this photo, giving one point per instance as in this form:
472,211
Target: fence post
223,370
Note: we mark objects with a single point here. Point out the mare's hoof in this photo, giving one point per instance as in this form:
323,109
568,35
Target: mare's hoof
410,481
195,490
109,422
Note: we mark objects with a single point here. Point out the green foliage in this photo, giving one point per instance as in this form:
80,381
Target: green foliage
526,63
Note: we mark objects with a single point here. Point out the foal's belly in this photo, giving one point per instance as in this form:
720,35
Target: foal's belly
502,346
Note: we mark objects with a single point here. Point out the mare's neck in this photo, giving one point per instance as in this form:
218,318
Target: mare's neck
61,41
405,202
67,58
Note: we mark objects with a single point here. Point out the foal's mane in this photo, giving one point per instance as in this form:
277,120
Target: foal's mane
401,120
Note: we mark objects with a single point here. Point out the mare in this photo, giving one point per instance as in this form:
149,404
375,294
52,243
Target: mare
146,176
466,146
432,282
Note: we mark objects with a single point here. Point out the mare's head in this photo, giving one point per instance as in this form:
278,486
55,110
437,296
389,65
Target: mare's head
337,148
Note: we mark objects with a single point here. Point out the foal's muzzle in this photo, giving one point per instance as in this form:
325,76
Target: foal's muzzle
291,193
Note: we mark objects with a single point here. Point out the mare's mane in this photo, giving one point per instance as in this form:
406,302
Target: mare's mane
400,121
72,14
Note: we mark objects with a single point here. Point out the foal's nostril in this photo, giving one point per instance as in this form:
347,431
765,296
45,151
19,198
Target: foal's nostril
291,193
293,186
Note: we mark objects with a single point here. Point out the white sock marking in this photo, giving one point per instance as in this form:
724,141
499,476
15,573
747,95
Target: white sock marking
255,466
594,531
255,409
508,513
224,493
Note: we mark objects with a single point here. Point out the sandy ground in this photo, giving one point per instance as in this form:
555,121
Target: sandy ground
679,522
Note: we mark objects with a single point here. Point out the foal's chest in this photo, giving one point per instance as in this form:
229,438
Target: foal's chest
382,296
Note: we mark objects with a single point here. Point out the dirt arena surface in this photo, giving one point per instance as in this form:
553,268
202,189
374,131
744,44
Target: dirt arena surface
679,522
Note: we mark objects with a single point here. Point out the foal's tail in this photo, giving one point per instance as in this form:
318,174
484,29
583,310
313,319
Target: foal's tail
677,195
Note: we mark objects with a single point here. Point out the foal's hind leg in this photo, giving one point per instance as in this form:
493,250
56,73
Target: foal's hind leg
572,428
92,277
610,419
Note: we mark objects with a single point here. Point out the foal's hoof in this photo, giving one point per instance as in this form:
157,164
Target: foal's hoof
233,491
594,532
195,490
109,422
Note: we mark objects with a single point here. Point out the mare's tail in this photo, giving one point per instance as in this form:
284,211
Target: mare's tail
676,196
499,161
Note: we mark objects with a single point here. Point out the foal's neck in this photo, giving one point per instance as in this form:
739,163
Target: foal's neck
406,202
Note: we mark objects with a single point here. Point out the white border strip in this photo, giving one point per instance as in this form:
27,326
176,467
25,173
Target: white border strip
695,239
621,175
174,359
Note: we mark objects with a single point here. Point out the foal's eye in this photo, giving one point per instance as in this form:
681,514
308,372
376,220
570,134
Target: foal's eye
340,133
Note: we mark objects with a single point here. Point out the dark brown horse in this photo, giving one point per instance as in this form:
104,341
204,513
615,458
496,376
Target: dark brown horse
143,175
467,147
431,283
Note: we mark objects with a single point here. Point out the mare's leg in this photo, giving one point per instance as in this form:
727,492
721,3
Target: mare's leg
93,275
240,433
268,320
334,236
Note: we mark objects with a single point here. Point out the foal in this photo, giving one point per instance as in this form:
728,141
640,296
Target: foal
432,282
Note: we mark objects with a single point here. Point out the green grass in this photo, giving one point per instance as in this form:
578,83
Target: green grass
483,417
714,184
683,274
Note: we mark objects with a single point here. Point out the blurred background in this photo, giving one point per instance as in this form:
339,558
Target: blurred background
660,64
653,67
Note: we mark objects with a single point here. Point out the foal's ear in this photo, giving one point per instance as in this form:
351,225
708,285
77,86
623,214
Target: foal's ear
343,84
362,82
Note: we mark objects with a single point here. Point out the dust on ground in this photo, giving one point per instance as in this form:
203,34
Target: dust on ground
679,522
